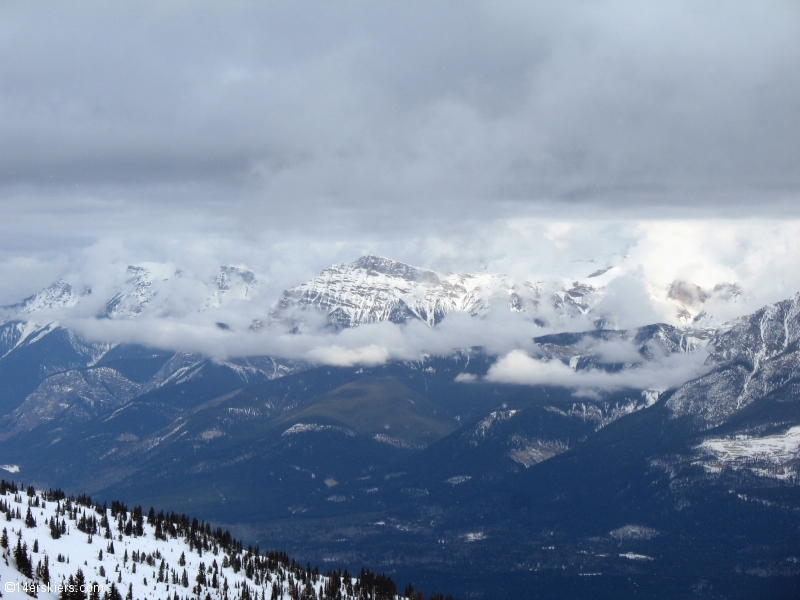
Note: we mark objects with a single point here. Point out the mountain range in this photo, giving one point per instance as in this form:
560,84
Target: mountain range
369,290
433,470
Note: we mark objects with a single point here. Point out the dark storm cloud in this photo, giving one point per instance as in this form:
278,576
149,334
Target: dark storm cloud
364,107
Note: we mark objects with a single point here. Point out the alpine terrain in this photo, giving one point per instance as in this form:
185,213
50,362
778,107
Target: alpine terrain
660,461
54,546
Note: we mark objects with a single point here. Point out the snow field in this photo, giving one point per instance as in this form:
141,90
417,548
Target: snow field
134,565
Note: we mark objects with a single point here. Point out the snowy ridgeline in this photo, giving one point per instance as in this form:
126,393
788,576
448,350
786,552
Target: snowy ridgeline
58,547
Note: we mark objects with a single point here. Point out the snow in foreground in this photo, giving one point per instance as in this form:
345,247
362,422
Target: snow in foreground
125,553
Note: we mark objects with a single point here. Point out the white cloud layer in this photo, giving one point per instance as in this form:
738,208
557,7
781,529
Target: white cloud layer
518,368
760,256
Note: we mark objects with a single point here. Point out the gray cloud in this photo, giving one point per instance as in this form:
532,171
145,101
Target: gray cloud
363,110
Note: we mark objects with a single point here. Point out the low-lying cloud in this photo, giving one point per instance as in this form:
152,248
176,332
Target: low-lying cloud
517,367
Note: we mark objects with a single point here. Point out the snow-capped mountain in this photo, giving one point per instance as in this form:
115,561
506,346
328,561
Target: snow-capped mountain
138,292
695,305
55,546
145,286
757,356
371,289
57,295
232,283
374,289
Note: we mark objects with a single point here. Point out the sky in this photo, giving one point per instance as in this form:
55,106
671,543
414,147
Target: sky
523,137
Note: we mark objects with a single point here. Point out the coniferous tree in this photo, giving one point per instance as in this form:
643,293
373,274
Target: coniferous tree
66,590
4,539
55,529
79,593
35,546
21,558
94,591
29,520
113,592
45,575
185,579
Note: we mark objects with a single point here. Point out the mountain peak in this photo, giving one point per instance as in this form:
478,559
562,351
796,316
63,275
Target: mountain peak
386,266
373,289
56,295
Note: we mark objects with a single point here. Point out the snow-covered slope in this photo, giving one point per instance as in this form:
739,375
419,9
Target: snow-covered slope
758,355
232,283
374,289
145,286
57,295
370,290
139,292
126,553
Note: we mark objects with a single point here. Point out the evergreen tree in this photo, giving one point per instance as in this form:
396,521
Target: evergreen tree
4,539
113,592
185,579
29,520
94,591
55,528
21,558
35,546
45,576
66,590
79,593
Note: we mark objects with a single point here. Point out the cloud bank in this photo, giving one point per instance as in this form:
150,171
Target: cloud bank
519,368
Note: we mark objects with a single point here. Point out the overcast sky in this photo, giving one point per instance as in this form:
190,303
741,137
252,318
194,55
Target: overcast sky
517,136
